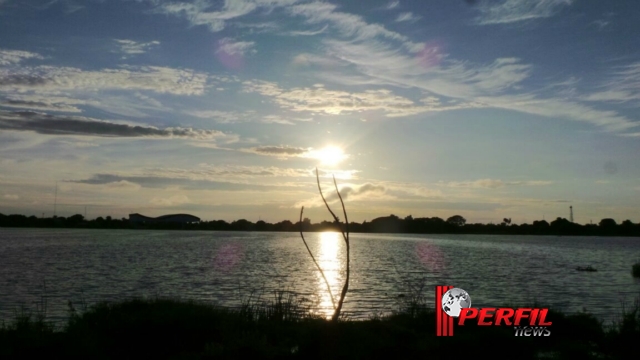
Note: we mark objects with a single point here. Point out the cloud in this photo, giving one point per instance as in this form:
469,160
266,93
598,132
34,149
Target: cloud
601,24
11,57
510,11
352,192
623,87
367,191
393,5
233,117
79,144
473,85
150,78
307,32
407,16
224,117
204,176
231,47
83,126
492,183
131,47
318,99
122,185
277,119
198,13
279,151
37,105
429,69
560,108
306,59
348,25
170,201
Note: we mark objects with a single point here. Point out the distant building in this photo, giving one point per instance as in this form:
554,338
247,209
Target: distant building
172,218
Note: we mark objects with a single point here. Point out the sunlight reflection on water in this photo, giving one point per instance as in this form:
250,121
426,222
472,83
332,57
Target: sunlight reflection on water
330,262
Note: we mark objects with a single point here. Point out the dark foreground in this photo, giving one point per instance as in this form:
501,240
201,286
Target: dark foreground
172,329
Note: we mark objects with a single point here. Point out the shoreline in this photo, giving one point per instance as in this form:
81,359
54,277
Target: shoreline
284,328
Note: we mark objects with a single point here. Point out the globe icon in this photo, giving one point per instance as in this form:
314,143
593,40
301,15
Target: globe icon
455,300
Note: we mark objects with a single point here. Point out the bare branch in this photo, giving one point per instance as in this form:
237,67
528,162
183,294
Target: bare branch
344,211
345,288
323,199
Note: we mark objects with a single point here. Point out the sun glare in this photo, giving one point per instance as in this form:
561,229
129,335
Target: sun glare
330,155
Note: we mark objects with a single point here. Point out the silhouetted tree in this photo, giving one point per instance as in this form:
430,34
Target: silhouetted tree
456,220
540,223
261,225
607,223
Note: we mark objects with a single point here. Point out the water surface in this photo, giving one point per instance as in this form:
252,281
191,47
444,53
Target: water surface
225,268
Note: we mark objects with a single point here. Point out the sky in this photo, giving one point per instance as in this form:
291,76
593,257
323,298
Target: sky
224,109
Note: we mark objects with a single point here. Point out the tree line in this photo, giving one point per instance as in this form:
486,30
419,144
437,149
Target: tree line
387,224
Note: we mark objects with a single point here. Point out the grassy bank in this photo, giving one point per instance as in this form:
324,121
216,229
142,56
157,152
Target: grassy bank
283,328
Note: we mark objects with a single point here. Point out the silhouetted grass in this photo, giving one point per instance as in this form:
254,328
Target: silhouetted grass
287,328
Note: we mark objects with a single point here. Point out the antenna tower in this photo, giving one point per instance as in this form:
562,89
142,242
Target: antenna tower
55,201
571,213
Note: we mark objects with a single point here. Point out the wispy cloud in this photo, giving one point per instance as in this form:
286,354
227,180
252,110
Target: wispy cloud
306,59
393,5
224,117
204,176
231,47
624,86
170,200
407,17
83,126
131,47
367,191
509,11
280,151
122,185
318,99
492,183
601,24
471,83
150,78
37,105
559,108
348,24
199,13
308,32
10,57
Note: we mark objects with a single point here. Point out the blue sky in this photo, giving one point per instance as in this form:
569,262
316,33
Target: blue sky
223,109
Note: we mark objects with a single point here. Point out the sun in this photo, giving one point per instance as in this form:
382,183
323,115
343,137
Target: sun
329,155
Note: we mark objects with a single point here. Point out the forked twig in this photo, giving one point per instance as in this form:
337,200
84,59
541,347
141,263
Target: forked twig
315,262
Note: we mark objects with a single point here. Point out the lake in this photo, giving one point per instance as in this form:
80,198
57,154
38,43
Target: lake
226,268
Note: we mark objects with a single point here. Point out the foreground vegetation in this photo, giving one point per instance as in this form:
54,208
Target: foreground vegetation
285,328
387,224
